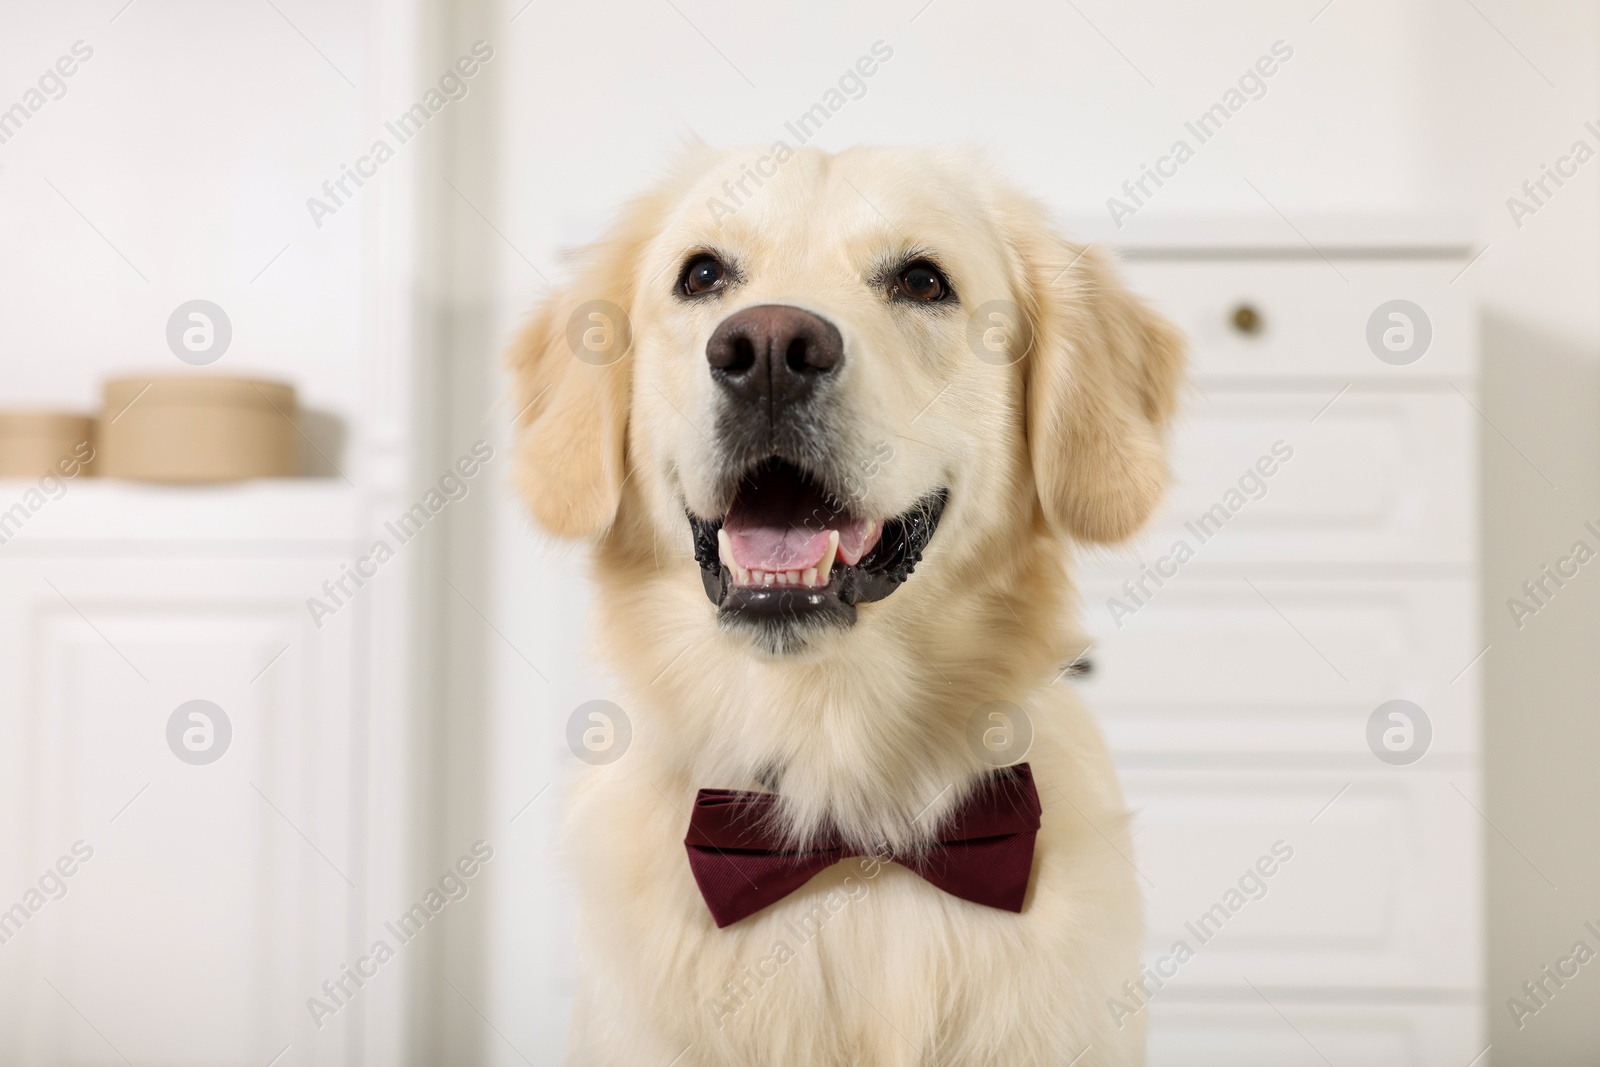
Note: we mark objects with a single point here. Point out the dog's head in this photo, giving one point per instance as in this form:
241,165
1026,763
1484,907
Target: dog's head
818,383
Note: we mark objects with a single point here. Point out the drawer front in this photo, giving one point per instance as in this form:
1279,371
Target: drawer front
1313,1034
1233,665
1372,893
1378,477
1312,323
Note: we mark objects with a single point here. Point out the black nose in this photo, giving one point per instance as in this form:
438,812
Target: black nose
773,355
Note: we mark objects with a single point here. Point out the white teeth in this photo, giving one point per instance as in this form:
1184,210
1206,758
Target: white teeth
828,555
872,528
808,578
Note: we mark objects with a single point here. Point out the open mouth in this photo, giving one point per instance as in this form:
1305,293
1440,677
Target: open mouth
790,549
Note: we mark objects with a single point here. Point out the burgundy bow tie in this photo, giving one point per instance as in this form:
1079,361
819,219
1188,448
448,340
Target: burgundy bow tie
984,853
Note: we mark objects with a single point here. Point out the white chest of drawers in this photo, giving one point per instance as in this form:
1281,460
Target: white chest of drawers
1235,676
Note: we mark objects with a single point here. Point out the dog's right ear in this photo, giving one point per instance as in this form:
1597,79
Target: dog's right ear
572,368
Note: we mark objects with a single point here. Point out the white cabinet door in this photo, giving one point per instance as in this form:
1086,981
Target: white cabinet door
216,896
1316,477
1265,665
1296,878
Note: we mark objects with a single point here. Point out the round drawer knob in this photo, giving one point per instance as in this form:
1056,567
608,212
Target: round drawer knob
1246,319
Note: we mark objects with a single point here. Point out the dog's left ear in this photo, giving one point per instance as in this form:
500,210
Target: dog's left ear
1101,378
572,368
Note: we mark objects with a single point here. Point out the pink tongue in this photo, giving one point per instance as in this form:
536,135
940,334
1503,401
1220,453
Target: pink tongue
788,548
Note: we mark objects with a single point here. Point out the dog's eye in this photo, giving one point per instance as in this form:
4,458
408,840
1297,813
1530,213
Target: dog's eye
703,274
922,281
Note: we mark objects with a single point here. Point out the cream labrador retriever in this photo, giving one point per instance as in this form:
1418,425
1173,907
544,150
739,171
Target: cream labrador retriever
831,422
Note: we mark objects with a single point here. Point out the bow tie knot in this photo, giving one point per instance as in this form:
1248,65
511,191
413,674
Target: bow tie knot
983,852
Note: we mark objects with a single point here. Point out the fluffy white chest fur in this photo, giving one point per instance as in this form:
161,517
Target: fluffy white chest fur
867,964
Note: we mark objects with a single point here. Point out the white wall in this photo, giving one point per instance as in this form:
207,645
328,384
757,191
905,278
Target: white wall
190,141
1427,107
